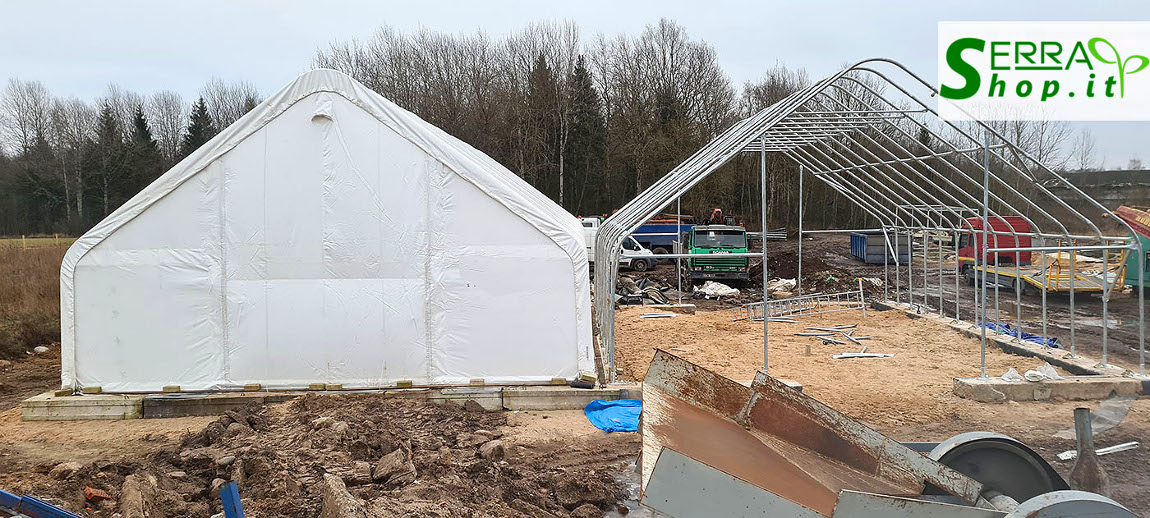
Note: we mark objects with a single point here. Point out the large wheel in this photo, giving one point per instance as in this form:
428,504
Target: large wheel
1000,463
971,276
1070,504
661,250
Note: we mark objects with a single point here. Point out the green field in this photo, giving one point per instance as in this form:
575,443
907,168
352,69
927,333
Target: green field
35,242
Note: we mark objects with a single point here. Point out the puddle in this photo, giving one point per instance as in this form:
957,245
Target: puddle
629,477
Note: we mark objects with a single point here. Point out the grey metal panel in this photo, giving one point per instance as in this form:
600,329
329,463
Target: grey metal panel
853,504
683,487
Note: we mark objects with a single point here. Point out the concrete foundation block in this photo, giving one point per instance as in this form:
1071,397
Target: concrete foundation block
1074,388
192,404
490,398
49,407
564,398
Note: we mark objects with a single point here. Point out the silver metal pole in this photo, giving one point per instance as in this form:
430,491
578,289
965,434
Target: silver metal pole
957,316
897,275
763,217
885,261
1141,307
1105,303
940,301
997,277
1045,283
799,281
925,277
679,241
1017,294
985,225
1073,259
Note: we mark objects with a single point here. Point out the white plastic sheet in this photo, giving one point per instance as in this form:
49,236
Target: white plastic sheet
328,236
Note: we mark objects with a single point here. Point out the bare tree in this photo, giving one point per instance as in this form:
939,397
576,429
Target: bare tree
25,113
227,102
1082,152
123,104
73,127
1134,164
168,116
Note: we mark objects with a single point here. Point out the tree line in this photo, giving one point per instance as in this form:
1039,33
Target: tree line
590,121
66,163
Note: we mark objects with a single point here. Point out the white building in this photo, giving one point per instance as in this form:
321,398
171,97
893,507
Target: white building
328,236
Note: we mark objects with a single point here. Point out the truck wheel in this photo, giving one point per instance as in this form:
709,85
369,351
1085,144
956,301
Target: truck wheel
640,265
661,251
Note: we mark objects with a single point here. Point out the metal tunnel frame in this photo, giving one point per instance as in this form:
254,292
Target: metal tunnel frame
858,131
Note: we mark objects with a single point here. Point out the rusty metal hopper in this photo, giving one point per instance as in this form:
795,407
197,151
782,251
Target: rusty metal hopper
767,447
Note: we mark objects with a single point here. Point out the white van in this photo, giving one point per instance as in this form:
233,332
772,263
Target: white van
634,256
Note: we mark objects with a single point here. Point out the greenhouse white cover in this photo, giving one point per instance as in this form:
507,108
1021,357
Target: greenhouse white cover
328,236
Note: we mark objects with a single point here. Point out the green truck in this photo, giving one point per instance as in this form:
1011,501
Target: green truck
717,241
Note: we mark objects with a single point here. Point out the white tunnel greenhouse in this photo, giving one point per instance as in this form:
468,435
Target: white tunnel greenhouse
328,236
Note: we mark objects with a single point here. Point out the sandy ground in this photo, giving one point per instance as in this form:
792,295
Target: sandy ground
915,384
907,396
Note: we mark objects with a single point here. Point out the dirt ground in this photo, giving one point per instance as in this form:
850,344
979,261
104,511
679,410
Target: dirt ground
908,396
547,464
25,378
553,463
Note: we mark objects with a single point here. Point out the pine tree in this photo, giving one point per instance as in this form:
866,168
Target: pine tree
144,153
586,142
200,129
542,128
106,160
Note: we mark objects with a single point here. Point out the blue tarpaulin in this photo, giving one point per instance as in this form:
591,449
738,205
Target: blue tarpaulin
1033,338
621,415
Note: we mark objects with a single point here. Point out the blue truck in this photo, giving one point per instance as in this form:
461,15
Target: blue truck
660,236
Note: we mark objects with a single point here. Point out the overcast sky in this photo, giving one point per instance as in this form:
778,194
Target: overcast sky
76,48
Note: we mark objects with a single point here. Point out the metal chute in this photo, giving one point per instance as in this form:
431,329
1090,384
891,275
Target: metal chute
712,446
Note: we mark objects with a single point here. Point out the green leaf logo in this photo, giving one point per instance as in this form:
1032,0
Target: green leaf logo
1123,65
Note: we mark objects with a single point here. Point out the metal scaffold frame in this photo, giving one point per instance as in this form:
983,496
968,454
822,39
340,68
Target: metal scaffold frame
882,147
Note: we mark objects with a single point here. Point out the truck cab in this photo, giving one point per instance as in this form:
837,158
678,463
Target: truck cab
717,241
970,241
632,256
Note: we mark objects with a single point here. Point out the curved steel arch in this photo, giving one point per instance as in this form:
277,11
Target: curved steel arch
849,135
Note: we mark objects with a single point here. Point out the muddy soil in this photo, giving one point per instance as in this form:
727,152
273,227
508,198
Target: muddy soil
395,458
22,379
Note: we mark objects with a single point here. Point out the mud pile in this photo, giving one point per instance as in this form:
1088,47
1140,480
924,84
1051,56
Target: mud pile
345,456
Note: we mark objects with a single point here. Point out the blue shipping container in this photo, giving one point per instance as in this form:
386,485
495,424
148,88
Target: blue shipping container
870,248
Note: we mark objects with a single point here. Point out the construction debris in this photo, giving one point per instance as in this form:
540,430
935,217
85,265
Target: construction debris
1073,454
1041,373
712,289
632,291
862,355
658,315
304,457
785,285
1109,414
